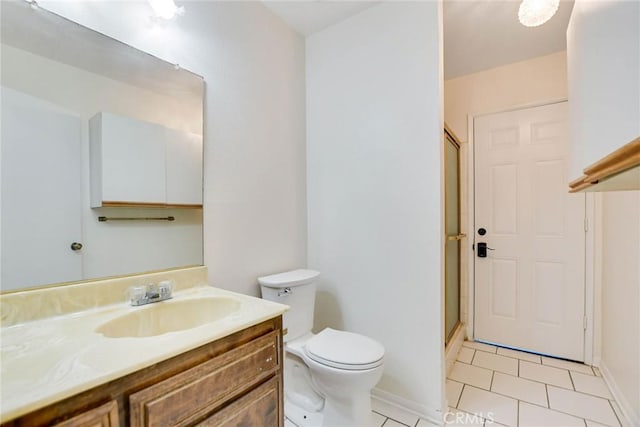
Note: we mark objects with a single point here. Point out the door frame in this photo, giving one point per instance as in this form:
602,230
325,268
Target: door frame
592,253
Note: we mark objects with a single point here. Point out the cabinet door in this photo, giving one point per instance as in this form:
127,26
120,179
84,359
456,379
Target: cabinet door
102,416
184,168
127,161
259,408
188,396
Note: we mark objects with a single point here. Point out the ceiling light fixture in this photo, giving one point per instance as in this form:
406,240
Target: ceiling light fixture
533,13
165,9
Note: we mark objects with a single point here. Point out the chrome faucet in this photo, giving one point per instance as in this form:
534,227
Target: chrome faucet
147,294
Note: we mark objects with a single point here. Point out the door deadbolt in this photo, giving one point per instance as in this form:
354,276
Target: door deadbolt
75,246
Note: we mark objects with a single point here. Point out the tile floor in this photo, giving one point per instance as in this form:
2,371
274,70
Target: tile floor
391,416
519,389
492,386
388,415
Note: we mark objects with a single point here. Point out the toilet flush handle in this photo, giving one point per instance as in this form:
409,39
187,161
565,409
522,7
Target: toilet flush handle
284,292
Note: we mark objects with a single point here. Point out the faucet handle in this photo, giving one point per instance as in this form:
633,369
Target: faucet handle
137,294
165,288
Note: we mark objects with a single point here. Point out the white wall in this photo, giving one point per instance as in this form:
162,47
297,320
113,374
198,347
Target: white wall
536,80
374,138
604,85
621,298
254,152
604,90
112,248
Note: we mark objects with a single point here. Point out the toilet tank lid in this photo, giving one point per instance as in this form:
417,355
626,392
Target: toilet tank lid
289,278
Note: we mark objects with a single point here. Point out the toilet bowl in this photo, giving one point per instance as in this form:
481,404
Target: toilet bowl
328,376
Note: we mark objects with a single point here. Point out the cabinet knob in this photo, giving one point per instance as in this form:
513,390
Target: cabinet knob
76,246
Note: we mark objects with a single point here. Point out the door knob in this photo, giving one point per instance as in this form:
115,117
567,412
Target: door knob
75,246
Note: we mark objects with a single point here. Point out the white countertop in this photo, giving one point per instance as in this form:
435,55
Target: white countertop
47,360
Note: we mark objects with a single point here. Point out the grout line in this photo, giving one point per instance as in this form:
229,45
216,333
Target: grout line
536,404
518,413
582,392
546,392
495,349
615,412
572,383
526,379
510,397
473,413
493,373
473,356
518,368
460,396
559,411
393,419
569,369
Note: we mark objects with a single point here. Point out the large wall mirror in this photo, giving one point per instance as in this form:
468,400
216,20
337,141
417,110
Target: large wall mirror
56,75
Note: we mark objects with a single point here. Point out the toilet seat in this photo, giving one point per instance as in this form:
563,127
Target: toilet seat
344,350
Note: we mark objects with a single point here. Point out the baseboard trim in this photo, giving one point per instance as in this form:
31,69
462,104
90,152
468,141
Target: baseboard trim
451,352
432,415
631,417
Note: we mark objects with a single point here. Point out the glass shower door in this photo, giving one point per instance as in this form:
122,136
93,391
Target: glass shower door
453,235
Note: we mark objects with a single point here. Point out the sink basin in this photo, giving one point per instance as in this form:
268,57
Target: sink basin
169,316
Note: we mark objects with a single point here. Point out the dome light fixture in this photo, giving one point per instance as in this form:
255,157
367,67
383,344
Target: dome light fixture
533,13
165,9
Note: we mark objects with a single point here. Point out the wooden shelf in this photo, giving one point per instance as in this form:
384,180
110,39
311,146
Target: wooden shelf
619,170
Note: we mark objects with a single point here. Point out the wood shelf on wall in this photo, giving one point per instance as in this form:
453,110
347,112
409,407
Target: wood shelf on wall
619,170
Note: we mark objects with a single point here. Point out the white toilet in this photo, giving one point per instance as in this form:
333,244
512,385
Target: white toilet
328,376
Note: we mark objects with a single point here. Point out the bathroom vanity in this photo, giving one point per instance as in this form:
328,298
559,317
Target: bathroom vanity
199,369
230,381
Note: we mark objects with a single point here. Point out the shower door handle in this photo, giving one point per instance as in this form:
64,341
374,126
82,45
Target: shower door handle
456,236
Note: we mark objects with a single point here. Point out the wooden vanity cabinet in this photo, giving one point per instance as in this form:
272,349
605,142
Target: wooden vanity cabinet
234,381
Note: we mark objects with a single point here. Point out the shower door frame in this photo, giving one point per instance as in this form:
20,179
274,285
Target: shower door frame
449,137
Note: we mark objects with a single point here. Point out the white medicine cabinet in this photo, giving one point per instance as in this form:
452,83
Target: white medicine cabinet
138,163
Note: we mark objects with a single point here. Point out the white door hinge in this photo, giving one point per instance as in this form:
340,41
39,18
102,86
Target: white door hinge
584,322
586,224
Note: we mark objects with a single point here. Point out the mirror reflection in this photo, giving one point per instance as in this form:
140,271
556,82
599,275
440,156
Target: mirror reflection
93,129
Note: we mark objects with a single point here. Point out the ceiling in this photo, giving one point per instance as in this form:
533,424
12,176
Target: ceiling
59,39
310,16
478,34
483,34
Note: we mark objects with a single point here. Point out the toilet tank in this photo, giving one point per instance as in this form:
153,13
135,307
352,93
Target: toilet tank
297,289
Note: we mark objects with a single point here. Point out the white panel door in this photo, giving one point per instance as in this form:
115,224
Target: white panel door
529,290
41,192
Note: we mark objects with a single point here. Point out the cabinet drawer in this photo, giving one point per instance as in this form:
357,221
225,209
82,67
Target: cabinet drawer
257,408
102,416
192,394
